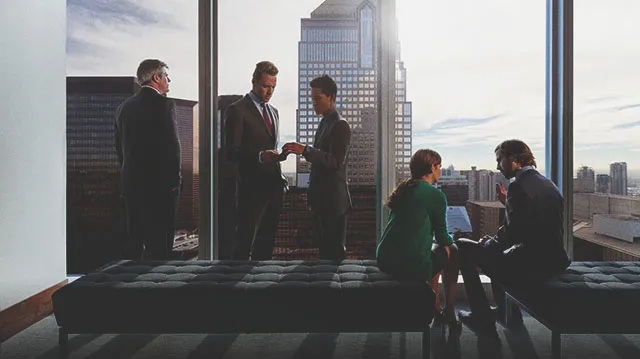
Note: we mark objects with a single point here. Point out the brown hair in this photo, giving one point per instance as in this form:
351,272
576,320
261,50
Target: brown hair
518,150
421,163
263,67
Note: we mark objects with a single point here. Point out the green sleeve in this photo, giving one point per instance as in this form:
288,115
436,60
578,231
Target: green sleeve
439,220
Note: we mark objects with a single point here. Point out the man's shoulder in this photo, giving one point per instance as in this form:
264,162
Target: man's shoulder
535,181
242,102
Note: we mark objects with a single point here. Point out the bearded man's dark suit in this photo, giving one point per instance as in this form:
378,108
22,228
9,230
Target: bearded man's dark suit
527,249
148,151
328,195
260,185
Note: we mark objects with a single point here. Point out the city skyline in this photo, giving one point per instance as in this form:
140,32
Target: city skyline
472,84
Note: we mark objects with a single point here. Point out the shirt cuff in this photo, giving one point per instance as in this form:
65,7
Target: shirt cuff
260,157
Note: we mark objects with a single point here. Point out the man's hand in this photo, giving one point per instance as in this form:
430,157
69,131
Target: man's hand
501,192
269,156
457,234
293,147
484,239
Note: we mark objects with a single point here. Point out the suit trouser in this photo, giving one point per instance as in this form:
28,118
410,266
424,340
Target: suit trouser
150,224
493,263
258,211
330,232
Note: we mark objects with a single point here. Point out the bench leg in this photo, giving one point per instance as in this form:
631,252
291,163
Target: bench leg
426,343
556,345
63,341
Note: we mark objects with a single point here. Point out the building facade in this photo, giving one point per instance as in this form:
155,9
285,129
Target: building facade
485,217
96,224
339,39
585,180
618,174
603,183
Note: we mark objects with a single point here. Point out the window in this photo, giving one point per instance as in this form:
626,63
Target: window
100,65
469,84
606,115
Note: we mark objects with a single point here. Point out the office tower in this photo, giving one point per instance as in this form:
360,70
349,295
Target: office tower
585,180
339,39
95,210
484,185
485,217
454,185
186,216
497,178
618,174
602,183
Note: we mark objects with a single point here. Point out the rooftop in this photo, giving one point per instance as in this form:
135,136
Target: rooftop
337,9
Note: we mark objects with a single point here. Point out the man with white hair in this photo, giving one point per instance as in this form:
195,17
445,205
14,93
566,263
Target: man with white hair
149,155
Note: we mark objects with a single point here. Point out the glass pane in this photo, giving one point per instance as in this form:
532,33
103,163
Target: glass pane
475,75
306,39
606,130
105,43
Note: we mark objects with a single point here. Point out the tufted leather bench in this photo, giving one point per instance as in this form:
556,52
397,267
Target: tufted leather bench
242,297
589,297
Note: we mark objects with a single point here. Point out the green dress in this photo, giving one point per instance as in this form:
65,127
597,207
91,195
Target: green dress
405,247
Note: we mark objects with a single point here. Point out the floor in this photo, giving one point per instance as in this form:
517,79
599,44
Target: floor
533,341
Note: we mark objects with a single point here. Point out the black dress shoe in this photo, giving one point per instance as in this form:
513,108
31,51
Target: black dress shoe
478,324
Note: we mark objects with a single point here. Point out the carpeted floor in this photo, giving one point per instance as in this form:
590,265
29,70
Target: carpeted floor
40,341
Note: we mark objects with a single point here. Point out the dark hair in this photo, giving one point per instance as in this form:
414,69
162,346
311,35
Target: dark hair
518,151
421,163
326,84
148,68
263,67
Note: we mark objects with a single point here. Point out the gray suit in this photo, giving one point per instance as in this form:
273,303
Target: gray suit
328,194
260,186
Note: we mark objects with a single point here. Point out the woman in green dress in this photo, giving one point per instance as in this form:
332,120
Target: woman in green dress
418,214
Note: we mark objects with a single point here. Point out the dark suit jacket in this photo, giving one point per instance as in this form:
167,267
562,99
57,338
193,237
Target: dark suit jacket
533,233
246,135
147,143
328,190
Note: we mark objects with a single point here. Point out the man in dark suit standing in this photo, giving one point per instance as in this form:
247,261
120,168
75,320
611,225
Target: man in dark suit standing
527,249
328,195
251,136
149,154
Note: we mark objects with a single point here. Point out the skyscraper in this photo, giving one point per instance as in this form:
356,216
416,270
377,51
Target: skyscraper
618,174
339,40
186,215
602,183
585,180
95,211
454,186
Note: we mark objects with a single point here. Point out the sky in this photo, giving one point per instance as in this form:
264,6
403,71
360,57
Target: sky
475,68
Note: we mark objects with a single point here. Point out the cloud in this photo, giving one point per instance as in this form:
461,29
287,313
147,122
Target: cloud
455,123
600,99
627,107
472,84
110,38
626,125
122,12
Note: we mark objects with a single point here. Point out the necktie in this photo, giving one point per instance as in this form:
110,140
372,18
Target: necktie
265,115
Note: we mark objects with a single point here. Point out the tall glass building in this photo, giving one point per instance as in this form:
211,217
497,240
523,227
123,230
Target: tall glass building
339,40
